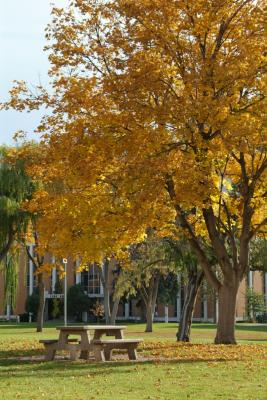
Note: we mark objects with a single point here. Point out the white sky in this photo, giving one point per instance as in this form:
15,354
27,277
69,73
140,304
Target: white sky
22,24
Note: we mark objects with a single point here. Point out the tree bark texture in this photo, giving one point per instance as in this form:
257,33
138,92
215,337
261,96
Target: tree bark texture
195,279
149,317
149,295
114,311
104,277
227,297
41,306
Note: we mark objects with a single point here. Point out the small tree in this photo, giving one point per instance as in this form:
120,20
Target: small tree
149,262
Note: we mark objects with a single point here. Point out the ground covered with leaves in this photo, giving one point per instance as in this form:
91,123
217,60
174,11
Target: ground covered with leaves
165,370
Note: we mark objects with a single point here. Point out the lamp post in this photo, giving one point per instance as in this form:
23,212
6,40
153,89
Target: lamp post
65,262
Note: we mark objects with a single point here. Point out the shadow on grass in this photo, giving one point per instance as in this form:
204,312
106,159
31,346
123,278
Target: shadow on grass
16,354
252,328
239,327
66,368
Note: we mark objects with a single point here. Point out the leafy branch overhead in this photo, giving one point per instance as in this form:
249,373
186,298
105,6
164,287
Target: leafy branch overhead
158,120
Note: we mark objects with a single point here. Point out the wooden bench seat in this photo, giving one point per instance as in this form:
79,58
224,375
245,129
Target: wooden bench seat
52,345
103,348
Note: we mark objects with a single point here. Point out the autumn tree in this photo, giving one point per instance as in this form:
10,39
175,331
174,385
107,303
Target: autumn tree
158,119
150,261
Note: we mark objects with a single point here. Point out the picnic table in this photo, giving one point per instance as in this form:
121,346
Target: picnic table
86,343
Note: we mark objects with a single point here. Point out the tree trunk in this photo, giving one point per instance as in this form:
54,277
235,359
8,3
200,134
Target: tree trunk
41,306
195,280
227,297
106,304
114,311
104,277
149,317
150,295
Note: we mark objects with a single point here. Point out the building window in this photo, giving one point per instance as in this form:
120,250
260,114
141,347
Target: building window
84,280
90,281
31,269
94,284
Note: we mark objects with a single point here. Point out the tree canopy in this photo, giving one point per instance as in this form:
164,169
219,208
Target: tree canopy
158,120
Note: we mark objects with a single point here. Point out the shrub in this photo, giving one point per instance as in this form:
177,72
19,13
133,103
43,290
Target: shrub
24,317
77,302
256,304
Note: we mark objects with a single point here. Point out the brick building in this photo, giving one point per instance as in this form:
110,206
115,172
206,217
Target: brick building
205,310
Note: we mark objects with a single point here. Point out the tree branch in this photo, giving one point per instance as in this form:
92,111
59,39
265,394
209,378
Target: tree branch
193,240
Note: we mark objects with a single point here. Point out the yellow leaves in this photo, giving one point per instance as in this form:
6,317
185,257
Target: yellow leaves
158,351
203,352
46,268
82,267
158,88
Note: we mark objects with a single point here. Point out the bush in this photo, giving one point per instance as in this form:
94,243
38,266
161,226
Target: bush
24,317
77,302
98,311
256,305
261,318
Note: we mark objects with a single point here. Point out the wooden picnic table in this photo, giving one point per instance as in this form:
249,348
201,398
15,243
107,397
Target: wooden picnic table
101,349
85,343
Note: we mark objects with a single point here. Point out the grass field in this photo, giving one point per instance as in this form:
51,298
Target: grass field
167,370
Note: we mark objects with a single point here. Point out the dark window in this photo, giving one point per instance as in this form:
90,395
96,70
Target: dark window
84,280
94,285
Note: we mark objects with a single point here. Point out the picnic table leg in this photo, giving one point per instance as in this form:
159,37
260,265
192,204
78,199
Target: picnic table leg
132,354
74,354
85,343
107,353
63,339
84,354
49,354
99,354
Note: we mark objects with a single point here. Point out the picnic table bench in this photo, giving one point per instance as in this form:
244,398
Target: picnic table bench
101,349
107,346
52,345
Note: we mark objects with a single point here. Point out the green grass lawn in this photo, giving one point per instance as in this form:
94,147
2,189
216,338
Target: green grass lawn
172,378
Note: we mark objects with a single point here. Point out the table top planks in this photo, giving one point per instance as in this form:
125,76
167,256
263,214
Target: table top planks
91,327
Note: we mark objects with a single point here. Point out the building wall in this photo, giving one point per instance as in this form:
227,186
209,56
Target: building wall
205,309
